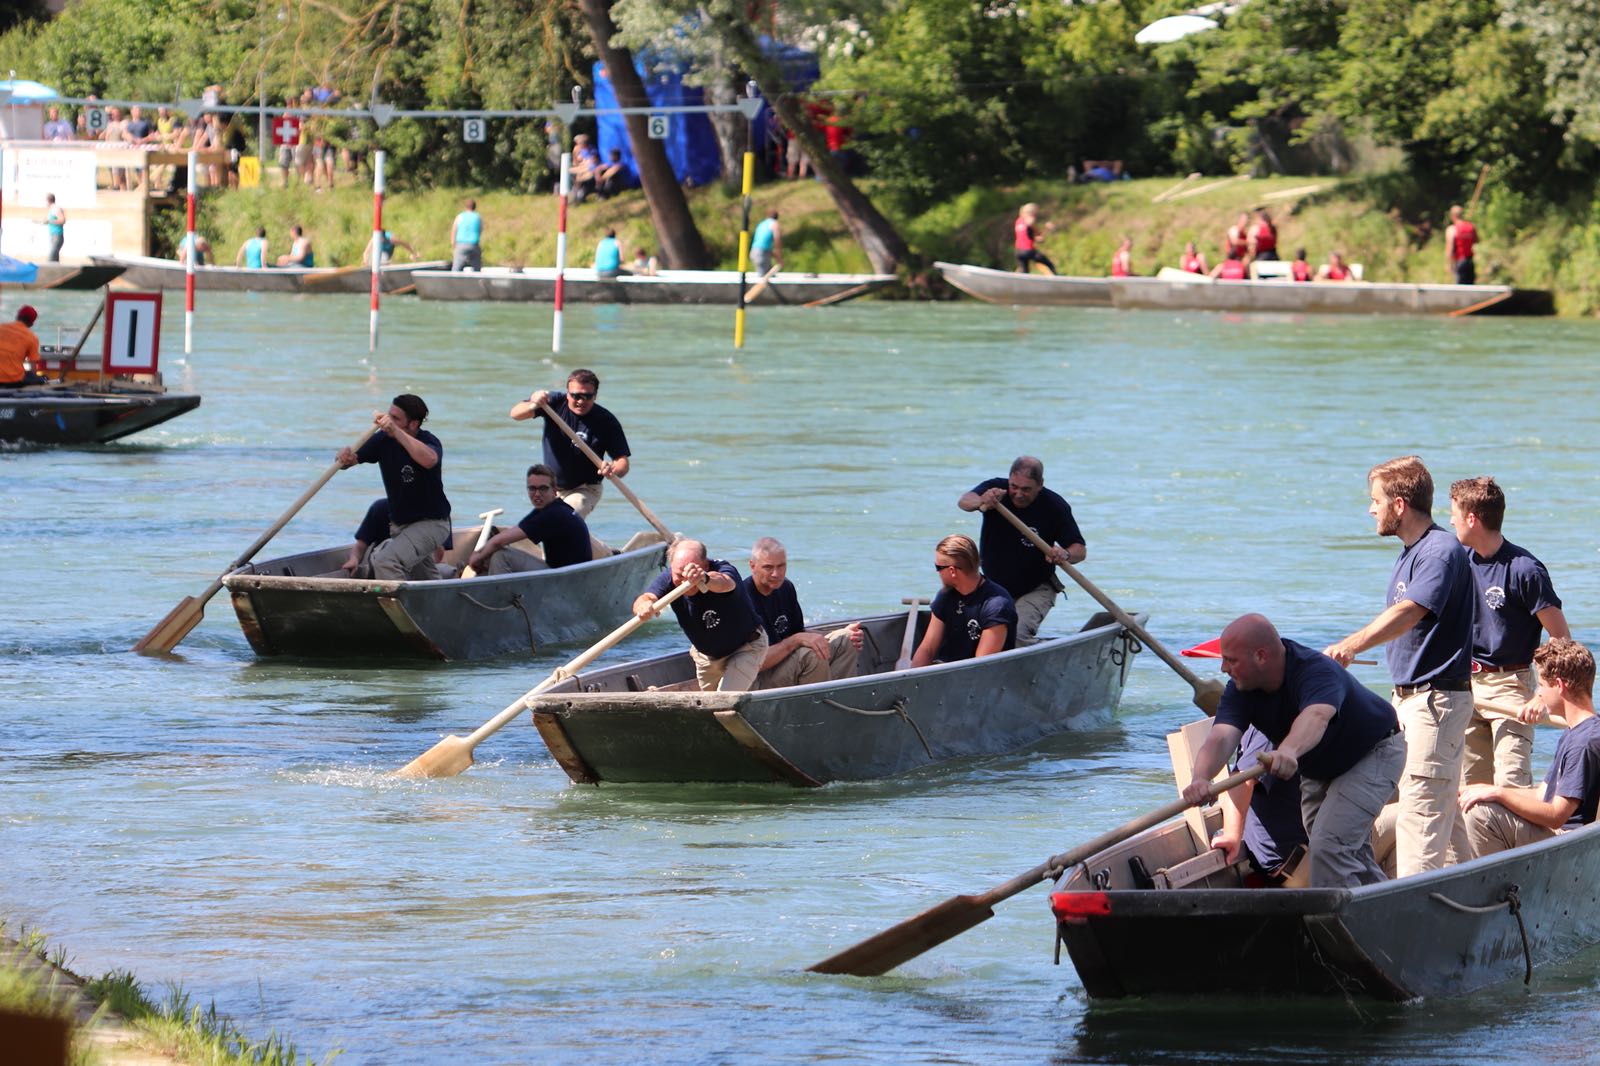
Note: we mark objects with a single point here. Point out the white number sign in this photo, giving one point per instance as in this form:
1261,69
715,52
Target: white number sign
660,127
473,131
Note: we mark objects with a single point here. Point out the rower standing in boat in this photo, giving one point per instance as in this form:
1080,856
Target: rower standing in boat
579,481
766,244
1515,600
1012,560
726,640
1264,238
1500,817
1341,737
1460,238
387,242
19,350
1027,240
794,656
1428,627
563,534
1261,818
973,616
411,461
1236,241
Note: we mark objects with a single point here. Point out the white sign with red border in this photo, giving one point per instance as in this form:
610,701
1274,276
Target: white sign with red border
133,333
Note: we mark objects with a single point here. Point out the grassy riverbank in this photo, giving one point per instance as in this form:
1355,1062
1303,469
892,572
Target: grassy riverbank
113,1020
1380,222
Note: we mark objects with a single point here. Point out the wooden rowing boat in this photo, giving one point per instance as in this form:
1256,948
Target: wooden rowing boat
147,272
284,612
67,277
647,720
1446,932
1010,287
538,285
84,413
1176,291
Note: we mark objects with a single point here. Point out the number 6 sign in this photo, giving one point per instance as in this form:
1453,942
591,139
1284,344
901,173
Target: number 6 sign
133,333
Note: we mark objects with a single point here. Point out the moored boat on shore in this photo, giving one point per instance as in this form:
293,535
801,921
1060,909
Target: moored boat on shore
583,285
648,720
148,272
1013,288
1193,292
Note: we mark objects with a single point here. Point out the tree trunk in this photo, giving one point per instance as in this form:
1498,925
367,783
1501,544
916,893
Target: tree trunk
877,236
681,244
731,130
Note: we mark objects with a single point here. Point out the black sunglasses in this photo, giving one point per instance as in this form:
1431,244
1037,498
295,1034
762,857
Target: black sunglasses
580,395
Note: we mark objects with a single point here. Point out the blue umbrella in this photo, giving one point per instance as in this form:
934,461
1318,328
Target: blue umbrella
16,272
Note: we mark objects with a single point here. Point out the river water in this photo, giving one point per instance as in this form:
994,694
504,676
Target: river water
227,823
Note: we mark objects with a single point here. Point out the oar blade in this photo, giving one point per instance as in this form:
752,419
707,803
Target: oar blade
170,631
901,943
447,758
1208,695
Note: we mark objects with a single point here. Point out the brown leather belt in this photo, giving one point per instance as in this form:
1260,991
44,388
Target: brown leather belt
1443,684
1479,668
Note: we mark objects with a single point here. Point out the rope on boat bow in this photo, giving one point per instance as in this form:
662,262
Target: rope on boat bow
898,707
1512,900
515,604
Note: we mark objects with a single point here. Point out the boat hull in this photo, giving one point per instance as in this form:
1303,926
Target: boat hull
609,726
65,276
53,415
1445,932
1320,298
1021,290
144,272
480,618
531,285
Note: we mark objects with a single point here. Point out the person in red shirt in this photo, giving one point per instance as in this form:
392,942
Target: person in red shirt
1237,239
1460,237
1122,261
1334,269
1231,268
1027,240
19,349
1193,261
1264,237
1300,270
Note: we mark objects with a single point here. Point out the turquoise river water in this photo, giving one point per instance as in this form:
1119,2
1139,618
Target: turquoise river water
227,823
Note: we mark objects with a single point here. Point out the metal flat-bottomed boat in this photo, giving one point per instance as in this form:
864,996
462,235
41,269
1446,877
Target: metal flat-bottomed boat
583,285
648,721
1159,914
1174,290
147,272
1022,290
285,610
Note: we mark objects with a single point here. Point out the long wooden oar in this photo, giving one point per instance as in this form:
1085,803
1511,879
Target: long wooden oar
337,273
908,642
760,286
168,632
840,297
1207,692
453,754
588,453
483,538
899,943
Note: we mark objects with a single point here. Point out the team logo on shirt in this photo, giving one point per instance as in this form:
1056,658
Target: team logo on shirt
1495,597
1026,543
408,473
710,620
780,625
974,630
1399,592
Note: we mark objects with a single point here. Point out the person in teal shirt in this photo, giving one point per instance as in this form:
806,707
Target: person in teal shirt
55,224
466,235
253,252
608,256
766,245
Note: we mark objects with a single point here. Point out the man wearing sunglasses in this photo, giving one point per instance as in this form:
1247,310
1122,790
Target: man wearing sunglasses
578,481
1009,558
552,524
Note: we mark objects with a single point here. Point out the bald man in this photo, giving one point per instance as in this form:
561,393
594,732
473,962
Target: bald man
726,640
1343,739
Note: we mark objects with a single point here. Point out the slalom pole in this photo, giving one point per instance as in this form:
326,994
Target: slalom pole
376,253
563,189
188,260
744,245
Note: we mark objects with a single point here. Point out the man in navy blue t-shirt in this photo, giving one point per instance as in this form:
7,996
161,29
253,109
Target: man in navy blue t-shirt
1428,627
726,640
1501,817
972,616
374,529
579,481
795,656
410,460
1515,600
1262,817
1010,559
1341,737
553,525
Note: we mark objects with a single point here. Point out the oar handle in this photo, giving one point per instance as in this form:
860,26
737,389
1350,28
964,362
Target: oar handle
588,453
488,524
1055,865
561,673
294,508
761,283
1202,689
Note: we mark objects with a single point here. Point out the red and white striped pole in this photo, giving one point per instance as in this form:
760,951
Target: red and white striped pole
190,257
377,246
564,188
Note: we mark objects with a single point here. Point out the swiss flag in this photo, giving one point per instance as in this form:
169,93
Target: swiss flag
286,130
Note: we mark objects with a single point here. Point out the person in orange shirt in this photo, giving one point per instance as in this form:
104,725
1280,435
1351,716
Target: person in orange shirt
18,343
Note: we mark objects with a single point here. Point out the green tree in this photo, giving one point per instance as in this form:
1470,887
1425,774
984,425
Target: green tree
1562,33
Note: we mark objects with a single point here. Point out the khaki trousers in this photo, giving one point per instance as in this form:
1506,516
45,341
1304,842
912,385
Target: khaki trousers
735,672
583,498
803,667
1499,747
1491,829
1031,610
408,553
1435,726
1338,815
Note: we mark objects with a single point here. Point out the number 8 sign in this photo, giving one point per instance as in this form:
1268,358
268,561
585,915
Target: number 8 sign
133,333
472,131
